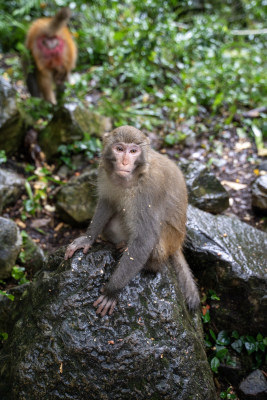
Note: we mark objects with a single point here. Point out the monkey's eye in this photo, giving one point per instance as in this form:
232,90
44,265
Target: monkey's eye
133,151
119,148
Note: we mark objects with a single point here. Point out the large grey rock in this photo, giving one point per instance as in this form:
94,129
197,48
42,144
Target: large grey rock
229,257
11,187
11,133
68,124
150,348
204,190
259,193
10,245
254,386
10,310
76,201
33,255
8,107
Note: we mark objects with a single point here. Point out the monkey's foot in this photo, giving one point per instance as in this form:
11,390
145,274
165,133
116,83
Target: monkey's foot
105,305
83,242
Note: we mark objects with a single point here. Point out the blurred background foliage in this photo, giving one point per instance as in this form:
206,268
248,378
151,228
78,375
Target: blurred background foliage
156,60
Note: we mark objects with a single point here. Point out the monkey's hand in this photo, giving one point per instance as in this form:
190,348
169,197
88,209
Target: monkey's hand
106,304
83,242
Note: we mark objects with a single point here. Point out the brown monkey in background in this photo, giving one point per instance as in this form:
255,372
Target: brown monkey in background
143,202
54,53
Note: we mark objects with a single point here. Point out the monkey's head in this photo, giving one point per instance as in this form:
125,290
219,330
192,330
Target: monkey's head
125,153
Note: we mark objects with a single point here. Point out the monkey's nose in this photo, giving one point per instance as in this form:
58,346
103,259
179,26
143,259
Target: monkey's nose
125,160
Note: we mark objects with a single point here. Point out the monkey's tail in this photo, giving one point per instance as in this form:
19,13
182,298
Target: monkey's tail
59,20
186,280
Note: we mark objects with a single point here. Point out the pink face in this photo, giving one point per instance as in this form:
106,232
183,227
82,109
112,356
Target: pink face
126,155
50,46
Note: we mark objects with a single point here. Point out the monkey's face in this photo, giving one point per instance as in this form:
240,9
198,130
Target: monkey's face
125,156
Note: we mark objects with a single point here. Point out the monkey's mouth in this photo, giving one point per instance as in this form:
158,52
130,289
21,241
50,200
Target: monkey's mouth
123,172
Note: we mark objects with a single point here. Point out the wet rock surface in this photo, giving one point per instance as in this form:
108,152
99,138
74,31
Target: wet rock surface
11,133
229,256
10,245
8,106
150,348
33,255
76,201
259,193
11,187
10,310
254,386
68,124
204,190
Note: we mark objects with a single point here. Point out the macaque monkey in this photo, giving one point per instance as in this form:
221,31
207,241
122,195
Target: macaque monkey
54,54
142,202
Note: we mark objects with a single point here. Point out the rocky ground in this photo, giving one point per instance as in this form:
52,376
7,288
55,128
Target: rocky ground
234,160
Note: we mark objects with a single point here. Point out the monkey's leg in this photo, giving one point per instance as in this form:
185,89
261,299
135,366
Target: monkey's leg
60,77
30,73
32,84
186,280
45,81
156,259
129,265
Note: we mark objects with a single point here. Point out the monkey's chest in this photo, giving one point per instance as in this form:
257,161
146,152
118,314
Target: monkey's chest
116,230
51,50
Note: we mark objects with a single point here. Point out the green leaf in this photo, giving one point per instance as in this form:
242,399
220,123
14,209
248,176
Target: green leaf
258,137
3,157
206,317
208,343
223,338
221,353
250,347
9,296
214,364
262,346
218,100
215,297
237,345
3,336
212,334
259,337
24,234
29,190
17,272
235,335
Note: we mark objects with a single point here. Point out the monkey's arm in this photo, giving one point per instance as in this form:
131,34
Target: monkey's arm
132,262
102,215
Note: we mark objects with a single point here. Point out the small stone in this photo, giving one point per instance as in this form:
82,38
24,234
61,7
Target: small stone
259,193
254,386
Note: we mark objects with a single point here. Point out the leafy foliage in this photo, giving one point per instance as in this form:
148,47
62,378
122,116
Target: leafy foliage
90,146
228,394
9,296
37,189
155,60
3,157
18,273
220,345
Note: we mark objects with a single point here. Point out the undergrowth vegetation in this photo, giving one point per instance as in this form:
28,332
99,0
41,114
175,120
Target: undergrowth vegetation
155,61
